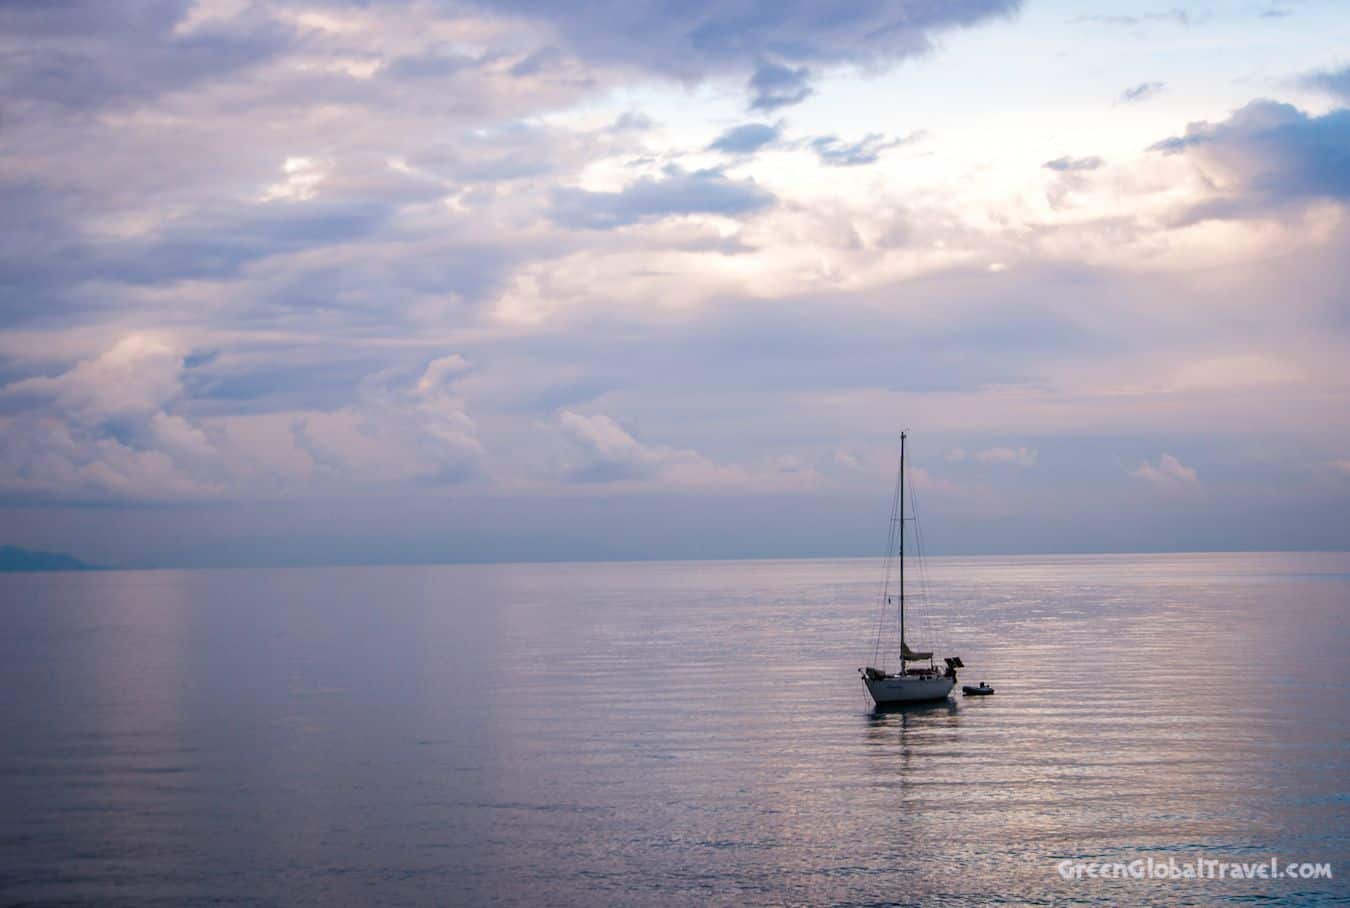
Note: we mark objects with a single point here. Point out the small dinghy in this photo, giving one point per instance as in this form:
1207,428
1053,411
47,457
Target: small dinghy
977,690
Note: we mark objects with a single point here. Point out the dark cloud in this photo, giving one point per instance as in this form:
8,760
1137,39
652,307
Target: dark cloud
674,193
211,245
1271,154
86,54
691,40
51,268
1142,92
377,291
774,85
780,41
89,54
1067,164
219,246
38,246
746,138
1335,82
835,152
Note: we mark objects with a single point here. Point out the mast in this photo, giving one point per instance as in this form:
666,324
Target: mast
902,552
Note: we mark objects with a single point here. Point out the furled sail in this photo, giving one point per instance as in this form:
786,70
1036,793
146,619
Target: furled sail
910,656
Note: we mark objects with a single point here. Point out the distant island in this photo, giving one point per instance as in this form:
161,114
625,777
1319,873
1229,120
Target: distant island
13,558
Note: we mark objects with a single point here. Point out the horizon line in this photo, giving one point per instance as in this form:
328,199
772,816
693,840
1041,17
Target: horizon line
89,567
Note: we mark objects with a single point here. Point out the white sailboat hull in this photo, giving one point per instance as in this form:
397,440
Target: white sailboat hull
902,689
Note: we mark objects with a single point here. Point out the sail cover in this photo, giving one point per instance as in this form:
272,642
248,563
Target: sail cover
910,656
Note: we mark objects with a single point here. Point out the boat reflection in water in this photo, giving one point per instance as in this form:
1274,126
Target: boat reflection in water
916,724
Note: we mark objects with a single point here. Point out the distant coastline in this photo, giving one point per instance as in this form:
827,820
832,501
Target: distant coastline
15,559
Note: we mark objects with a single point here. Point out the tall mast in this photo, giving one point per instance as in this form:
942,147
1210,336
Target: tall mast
902,552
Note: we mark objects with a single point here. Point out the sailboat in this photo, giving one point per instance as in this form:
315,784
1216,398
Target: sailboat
914,681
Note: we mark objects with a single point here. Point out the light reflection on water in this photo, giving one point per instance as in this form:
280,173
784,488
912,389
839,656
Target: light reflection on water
668,733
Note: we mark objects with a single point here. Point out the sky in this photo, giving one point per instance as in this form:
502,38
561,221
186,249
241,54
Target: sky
348,281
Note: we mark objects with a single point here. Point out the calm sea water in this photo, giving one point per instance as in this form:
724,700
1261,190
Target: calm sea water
675,733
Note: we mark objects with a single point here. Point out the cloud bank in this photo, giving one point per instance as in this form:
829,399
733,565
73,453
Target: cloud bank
522,261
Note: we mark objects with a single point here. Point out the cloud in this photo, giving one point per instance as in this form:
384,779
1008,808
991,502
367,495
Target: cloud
121,426
84,55
109,426
933,484
205,241
1071,180
379,252
1335,82
778,42
1265,155
599,450
830,150
835,152
610,452
147,49
517,150
128,383
1067,164
1168,472
218,244
1142,92
676,192
417,429
439,373
433,64
847,459
541,60
746,138
404,426
1022,457
774,85
1238,372
632,121
1175,16
606,453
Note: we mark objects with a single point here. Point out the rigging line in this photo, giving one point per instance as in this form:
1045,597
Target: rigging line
886,577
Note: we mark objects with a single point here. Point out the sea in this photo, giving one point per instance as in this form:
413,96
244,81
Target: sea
676,733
